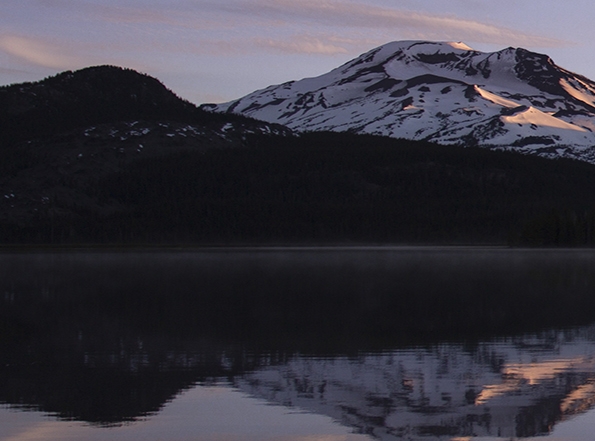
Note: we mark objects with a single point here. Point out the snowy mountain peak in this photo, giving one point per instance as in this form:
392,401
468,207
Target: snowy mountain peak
420,50
460,45
443,92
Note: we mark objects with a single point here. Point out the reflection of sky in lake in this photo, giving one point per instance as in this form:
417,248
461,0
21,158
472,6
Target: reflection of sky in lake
203,413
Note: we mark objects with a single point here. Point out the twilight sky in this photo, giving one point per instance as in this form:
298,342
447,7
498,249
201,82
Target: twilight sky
218,50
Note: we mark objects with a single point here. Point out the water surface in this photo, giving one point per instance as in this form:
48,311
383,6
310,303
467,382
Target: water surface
298,344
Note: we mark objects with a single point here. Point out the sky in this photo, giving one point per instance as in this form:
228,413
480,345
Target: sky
211,51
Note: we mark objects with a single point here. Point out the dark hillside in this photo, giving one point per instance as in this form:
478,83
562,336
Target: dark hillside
322,188
328,187
95,95
58,134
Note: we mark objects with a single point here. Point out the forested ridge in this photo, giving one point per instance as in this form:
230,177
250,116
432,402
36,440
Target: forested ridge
328,188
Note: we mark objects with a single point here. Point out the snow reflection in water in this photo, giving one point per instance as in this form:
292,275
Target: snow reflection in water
519,387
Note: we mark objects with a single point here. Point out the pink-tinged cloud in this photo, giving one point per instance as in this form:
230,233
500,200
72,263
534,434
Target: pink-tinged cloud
37,52
318,44
174,14
409,24
120,13
58,55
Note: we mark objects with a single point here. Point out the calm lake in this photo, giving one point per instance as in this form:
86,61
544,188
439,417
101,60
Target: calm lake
298,344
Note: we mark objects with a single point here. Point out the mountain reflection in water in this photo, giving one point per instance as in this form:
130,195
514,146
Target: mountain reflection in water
394,343
516,387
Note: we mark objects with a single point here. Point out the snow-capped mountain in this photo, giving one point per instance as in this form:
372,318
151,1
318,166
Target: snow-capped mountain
442,92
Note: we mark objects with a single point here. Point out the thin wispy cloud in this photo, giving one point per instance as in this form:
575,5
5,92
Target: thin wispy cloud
268,41
10,71
303,45
260,16
37,52
175,14
285,26
113,13
328,44
60,54
402,23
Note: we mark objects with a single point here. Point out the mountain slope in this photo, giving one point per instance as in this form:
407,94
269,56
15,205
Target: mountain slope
441,92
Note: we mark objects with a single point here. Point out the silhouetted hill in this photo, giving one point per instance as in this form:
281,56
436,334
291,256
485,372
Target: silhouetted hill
91,96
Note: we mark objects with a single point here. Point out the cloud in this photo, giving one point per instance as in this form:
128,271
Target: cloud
175,14
262,19
214,47
56,54
409,24
303,45
120,14
234,27
13,71
318,44
37,52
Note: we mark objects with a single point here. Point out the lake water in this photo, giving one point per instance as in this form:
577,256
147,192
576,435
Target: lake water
298,344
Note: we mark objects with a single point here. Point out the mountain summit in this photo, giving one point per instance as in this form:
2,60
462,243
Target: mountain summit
442,92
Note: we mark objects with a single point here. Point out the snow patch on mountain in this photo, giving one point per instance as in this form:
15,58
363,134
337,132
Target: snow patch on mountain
536,117
496,99
447,93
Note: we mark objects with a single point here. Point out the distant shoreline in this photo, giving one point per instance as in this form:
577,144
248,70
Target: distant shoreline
272,247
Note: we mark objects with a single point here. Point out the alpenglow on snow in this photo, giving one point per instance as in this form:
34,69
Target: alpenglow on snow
441,92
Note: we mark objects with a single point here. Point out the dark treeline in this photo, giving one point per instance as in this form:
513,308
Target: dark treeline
330,187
